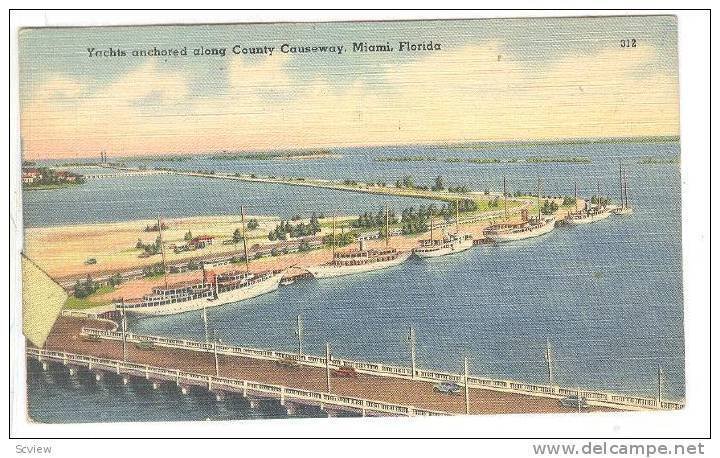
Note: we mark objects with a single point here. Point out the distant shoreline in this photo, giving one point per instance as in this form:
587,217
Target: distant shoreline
338,149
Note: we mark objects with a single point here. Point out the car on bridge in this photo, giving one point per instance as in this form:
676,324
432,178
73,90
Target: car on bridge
574,401
288,363
447,388
144,345
345,371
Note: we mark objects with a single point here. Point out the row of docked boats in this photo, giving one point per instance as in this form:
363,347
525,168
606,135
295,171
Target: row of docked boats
218,289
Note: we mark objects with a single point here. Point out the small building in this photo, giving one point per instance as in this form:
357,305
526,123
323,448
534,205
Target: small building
31,175
201,241
66,177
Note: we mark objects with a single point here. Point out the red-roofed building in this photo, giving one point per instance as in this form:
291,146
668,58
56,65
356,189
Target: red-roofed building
31,175
202,241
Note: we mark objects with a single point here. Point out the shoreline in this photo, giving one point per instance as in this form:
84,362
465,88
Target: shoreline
53,247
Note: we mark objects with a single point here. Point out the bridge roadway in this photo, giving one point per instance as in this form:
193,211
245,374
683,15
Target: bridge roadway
65,336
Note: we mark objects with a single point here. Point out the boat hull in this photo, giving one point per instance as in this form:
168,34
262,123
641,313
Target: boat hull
455,247
514,236
588,219
623,211
263,287
329,271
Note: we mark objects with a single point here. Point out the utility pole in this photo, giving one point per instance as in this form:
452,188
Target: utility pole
548,358
579,400
217,365
412,341
242,219
467,389
205,322
123,326
327,366
299,334
659,385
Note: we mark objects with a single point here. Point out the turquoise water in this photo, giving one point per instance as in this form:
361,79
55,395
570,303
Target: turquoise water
608,295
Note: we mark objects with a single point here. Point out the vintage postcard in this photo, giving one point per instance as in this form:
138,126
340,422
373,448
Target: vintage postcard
351,219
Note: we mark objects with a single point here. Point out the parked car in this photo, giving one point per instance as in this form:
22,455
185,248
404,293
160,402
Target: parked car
90,261
288,362
447,388
144,345
574,401
345,371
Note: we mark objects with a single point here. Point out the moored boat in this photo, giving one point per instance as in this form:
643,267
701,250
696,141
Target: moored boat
453,243
222,289
624,208
528,227
591,213
448,244
359,260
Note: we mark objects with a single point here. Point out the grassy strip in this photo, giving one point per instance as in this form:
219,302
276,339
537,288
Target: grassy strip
76,303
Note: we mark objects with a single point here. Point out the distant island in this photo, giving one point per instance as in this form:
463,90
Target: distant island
560,141
485,160
650,160
271,155
47,178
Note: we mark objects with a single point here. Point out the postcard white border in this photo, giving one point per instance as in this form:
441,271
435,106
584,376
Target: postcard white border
695,128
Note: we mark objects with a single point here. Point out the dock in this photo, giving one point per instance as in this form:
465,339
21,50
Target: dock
259,375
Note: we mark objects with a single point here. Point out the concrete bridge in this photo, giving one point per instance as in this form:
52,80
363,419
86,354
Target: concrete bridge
124,173
297,380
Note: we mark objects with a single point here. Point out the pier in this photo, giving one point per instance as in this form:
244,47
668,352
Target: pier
377,389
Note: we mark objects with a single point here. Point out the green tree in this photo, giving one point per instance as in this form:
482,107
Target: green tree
237,236
188,236
439,185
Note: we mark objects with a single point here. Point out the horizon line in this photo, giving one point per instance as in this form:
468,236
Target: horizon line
563,140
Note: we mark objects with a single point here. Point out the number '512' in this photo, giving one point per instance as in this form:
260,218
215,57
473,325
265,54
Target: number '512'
628,43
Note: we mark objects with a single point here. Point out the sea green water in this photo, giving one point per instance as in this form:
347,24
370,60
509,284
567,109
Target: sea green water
608,295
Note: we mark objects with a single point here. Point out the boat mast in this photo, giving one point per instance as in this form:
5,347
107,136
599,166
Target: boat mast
627,200
333,237
538,200
387,226
622,187
457,215
431,226
162,250
505,197
576,204
242,220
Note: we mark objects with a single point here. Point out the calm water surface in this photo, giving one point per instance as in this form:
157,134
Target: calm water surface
608,296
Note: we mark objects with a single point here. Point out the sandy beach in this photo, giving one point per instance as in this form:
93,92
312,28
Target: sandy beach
63,251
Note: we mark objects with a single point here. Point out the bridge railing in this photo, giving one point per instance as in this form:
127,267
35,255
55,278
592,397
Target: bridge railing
388,370
275,391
